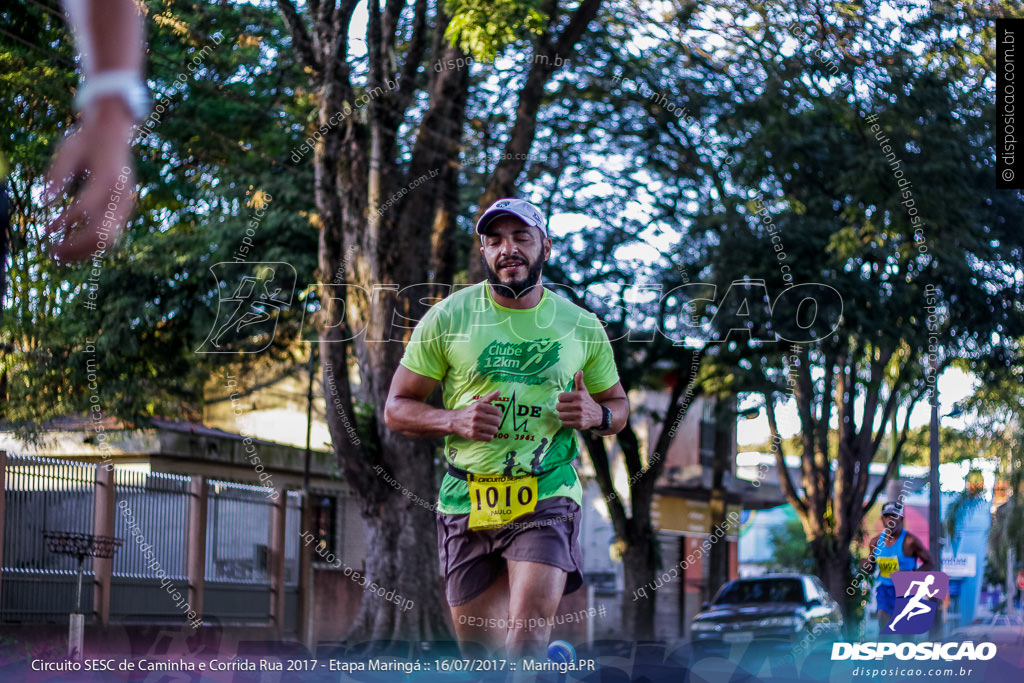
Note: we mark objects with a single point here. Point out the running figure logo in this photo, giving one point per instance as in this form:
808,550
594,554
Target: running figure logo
918,595
251,298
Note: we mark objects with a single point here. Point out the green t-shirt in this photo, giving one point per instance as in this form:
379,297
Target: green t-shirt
474,346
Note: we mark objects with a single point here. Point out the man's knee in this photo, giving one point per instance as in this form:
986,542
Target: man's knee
532,612
529,625
527,636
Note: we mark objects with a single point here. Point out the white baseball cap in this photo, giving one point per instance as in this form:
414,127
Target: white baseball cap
520,208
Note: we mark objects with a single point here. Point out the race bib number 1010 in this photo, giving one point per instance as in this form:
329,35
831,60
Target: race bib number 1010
496,501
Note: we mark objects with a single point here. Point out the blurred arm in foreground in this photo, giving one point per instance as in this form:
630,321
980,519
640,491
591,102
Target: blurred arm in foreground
112,97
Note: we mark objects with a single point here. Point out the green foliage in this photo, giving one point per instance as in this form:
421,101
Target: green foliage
223,139
776,127
955,446
483,28
790,445
792,553
965,504
36,83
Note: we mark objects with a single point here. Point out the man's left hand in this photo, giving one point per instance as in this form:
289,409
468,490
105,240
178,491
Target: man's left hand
576,408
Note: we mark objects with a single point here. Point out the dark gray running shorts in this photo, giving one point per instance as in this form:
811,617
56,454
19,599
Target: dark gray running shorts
473,560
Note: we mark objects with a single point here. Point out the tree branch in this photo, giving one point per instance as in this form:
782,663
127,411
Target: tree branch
300,36
898,449
848,426
521,137
780,462
337,63
804,391
602,471
825,414
822,462
891,403
414,55
630,450
872,391
389,23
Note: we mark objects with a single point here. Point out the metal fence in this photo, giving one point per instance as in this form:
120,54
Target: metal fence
42,494
151,515
238,533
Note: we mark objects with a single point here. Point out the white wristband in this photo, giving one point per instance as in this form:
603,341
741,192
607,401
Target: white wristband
125,83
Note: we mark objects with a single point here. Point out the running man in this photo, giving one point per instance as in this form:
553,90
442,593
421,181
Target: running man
893,550
914,606
520,368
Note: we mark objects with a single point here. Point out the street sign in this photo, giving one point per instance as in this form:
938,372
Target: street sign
1020,579
959,566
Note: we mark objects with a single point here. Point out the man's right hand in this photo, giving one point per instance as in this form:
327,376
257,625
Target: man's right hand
99,150
479,420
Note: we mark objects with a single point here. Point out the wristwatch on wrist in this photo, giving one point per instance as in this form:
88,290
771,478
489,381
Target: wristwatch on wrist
606,419
124,83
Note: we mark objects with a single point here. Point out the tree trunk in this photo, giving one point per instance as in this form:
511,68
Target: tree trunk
387,219
358,334
401,534
833,568
635,533
718,556
409,567
639,559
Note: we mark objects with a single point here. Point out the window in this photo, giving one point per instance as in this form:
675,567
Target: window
762,590
818,590
325,525
707,412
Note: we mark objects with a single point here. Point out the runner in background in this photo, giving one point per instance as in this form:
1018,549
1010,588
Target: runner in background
895,549
520,368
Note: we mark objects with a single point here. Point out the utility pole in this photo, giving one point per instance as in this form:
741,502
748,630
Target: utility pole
722,459
308,595
718,559
935,495
1011,575
311,368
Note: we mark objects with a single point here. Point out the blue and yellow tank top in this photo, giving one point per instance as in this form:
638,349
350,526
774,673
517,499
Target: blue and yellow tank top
892,558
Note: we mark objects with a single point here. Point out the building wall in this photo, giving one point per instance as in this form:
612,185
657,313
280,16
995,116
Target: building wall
964,560
336,600
269,403
684,449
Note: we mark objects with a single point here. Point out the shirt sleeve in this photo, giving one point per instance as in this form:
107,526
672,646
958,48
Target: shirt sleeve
599,371
425,354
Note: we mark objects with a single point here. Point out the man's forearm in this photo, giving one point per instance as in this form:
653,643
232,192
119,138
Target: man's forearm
620,414
109,34
416,418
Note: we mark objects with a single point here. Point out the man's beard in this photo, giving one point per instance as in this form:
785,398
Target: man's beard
515,288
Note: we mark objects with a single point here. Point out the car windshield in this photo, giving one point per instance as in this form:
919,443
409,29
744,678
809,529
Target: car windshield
762,590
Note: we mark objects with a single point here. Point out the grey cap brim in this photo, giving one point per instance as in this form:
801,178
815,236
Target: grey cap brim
520,208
